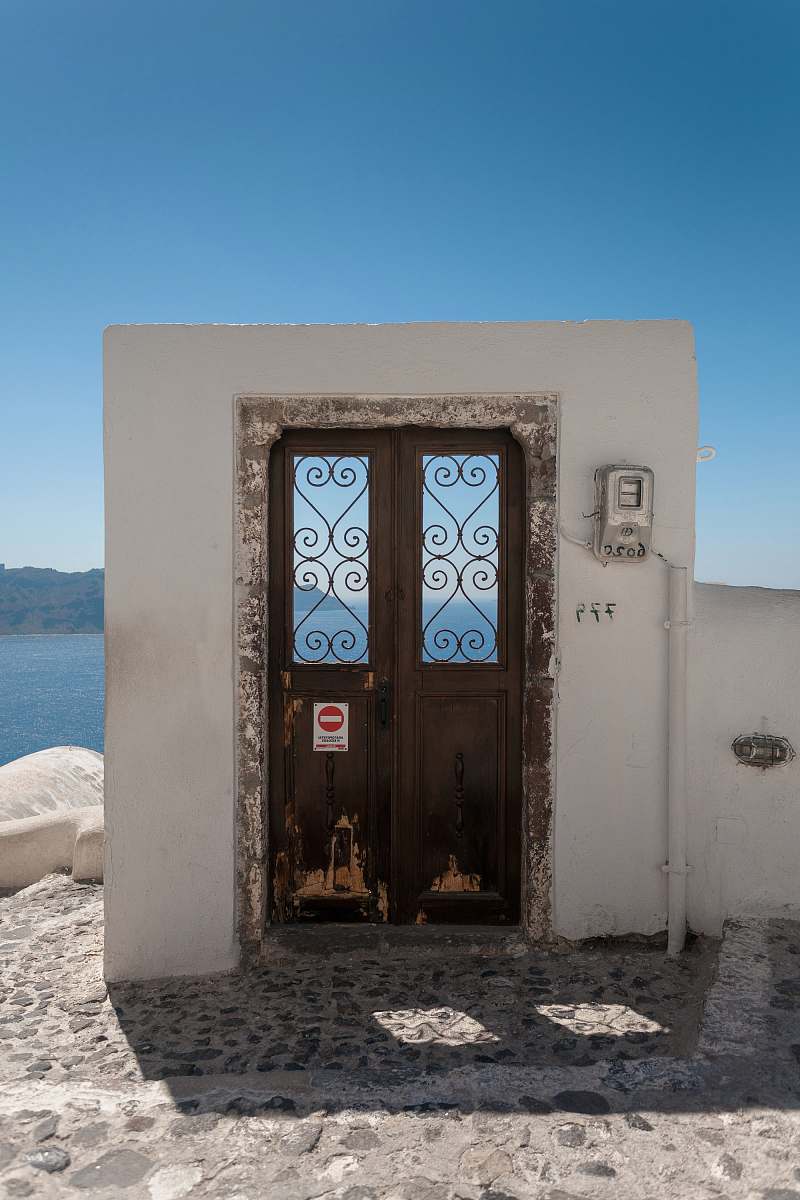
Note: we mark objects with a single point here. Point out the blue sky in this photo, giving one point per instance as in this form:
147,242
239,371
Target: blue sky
377,160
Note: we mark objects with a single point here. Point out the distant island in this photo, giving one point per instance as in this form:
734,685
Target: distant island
40,600
307,598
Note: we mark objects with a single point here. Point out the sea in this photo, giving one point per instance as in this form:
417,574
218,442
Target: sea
51,685
51,692
443,628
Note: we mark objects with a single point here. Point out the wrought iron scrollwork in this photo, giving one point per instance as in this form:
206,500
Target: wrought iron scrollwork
331,558
460,557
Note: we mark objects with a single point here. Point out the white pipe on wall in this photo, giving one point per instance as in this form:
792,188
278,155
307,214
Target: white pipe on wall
677,805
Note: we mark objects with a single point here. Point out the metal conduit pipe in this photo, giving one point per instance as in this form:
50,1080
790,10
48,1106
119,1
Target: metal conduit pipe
677,801
676,867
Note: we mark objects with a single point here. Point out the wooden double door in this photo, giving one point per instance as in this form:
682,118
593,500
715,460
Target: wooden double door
395,656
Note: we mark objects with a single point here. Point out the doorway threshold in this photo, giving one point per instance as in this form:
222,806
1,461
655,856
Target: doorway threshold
287,942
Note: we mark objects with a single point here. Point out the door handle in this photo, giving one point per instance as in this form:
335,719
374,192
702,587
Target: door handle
384,692
330,791
459,769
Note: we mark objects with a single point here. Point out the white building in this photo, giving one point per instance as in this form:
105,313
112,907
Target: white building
523,744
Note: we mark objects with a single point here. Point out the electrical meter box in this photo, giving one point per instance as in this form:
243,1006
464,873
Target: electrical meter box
623,517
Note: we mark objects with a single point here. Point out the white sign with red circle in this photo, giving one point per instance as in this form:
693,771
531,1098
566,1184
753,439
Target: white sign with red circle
330,726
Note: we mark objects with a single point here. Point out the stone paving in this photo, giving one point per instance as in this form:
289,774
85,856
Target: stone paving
598,1072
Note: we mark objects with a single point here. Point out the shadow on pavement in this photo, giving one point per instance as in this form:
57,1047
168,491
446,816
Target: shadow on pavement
431,1033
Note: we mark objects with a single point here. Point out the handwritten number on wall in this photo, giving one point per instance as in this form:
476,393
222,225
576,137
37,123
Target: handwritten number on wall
624,551
595,609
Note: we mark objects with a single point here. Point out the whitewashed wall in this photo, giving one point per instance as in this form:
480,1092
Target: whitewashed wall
627,392
744,677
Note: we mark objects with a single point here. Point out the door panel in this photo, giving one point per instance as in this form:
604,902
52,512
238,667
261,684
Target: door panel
397,590
460,783
329,641
459,652
329,817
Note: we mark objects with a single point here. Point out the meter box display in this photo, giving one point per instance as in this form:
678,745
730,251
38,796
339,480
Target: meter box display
623,517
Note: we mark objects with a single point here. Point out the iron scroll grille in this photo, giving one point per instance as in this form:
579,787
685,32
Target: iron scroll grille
330,558
461,537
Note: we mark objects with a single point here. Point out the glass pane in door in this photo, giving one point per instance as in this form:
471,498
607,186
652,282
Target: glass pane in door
330,558
460,557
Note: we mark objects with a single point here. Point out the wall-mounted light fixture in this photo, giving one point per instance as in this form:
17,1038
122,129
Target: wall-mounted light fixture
762,749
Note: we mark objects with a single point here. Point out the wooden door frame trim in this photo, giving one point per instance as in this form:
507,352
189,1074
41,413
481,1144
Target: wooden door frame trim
532,419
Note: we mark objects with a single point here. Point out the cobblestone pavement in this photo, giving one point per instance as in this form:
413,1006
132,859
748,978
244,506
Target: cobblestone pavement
418,1077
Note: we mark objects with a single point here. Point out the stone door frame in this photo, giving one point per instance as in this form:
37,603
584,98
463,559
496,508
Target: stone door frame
532,419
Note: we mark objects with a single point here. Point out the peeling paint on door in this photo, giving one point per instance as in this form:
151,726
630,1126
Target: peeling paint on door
281,886
344,875
383,901
454,879
291,709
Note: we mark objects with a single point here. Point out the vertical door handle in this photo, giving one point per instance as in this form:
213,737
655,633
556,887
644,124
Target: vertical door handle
330,790
384,692
459,770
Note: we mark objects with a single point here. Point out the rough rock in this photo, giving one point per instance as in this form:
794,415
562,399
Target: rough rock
51,817
50,781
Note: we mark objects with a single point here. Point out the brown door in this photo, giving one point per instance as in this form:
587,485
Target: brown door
396,632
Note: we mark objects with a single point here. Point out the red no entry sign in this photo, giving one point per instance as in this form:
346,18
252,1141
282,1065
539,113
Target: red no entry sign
331,718
331,726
